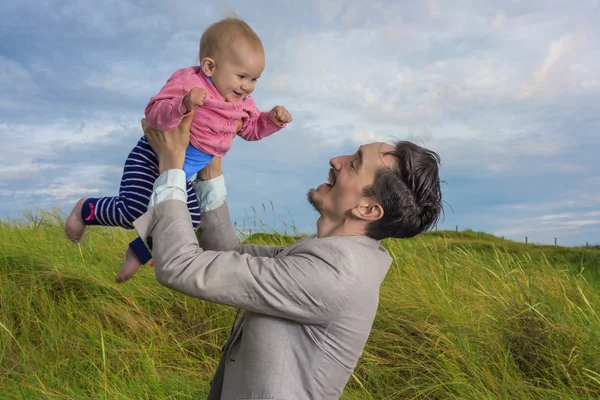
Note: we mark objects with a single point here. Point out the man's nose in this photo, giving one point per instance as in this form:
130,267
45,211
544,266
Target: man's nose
336,163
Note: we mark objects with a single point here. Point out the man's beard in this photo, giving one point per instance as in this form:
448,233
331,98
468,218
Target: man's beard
312,201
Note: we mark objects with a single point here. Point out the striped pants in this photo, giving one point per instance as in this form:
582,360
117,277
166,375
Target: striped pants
139,174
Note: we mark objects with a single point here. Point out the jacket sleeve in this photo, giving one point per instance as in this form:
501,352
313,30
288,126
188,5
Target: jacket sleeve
216,232
163,111
303,287
259,125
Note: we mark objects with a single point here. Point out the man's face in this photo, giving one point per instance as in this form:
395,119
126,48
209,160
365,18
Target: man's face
348,177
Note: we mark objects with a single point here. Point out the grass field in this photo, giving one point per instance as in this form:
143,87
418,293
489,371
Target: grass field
460,317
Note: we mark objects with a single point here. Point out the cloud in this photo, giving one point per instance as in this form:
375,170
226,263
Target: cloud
506,93
15,77
564,47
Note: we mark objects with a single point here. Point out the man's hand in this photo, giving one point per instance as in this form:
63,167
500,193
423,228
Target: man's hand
169,146
280,115
195,97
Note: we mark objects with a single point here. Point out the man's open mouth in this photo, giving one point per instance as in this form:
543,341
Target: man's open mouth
331,179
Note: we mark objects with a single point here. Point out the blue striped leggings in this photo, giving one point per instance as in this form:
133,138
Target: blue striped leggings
139,174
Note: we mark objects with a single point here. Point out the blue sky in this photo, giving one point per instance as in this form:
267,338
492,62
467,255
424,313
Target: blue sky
506,92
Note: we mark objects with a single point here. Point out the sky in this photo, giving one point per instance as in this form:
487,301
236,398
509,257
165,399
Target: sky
506,92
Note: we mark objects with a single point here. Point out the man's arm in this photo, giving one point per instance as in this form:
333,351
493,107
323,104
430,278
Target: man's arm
216,231
305,287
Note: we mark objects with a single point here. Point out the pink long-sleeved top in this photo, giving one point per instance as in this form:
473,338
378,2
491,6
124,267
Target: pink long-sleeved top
214,123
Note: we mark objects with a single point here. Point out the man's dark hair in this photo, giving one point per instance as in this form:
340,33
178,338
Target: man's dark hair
409,193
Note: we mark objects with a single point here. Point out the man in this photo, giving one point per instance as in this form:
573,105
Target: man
308,308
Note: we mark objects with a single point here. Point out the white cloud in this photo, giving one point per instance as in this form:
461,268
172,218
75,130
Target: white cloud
504,92
552,217
554,71
50,186
392,79
434,7
566,219
556,49
542,207
565,167
499,21
24,142
330,9
125,80
366,137
23,171
34,158
15,78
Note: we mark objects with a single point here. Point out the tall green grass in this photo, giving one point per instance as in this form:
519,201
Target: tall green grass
459,318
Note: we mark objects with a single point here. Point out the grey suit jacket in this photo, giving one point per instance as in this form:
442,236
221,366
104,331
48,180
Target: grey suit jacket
308,308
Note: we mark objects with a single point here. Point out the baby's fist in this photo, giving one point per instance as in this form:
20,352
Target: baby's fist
280,115
195,97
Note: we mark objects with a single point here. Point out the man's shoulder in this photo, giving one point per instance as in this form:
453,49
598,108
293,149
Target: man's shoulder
362,242
342,248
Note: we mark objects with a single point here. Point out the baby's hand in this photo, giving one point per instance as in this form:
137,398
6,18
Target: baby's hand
195,97
280,115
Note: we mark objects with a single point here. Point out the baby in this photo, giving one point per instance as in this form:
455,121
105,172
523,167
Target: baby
231,61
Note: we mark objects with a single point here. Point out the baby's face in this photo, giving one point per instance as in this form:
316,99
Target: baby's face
236,72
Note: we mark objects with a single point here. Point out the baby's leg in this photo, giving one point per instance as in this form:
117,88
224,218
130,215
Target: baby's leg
138,254
130,266
192,203
139,174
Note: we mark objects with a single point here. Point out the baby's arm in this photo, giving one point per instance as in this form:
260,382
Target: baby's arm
264,124
168,107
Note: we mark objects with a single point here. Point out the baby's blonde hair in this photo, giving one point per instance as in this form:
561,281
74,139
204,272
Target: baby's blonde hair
221,36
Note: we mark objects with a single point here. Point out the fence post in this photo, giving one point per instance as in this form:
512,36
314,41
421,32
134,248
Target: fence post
456,228
586,244
525,239
555,241
502,239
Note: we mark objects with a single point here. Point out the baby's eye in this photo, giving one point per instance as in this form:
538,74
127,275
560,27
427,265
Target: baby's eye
255,80
241,76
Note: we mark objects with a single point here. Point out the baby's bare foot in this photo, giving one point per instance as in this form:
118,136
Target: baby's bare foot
74,226
132,264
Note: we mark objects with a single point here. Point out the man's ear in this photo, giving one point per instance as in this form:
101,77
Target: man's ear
208,66
368,210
